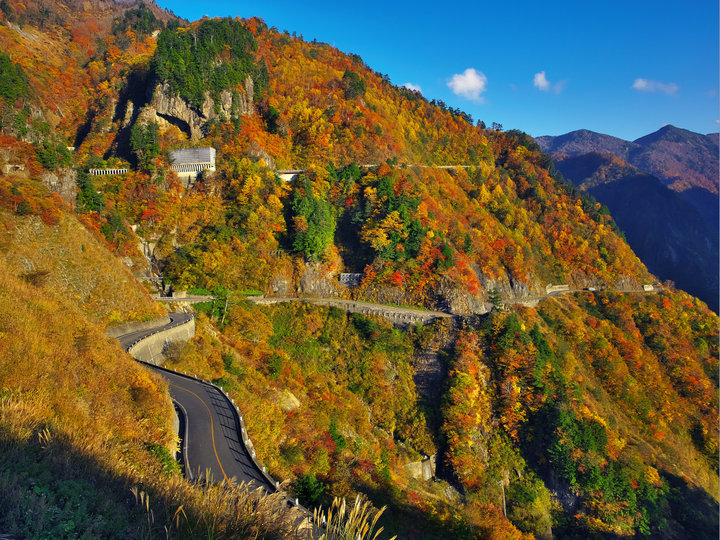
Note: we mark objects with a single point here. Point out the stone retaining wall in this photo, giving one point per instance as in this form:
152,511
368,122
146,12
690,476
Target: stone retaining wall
117,331
151,348
557,288
397,315
422,470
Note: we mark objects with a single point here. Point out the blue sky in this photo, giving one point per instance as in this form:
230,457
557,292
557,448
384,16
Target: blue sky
625,68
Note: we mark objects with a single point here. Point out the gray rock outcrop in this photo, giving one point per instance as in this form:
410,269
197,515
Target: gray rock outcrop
166,106
63,182
314,282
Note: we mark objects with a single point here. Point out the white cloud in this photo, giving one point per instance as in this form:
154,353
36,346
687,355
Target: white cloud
413,87
469,84
647,85
541,82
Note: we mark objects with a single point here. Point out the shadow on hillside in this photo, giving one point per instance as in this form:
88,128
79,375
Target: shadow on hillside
405,520
84,130
51,490
132,98
695,514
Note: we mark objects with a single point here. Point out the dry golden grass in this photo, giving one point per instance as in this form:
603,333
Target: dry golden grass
77,419
70,260
342,521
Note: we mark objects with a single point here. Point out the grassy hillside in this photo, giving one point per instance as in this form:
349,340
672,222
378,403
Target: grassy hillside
71,448
43,243
86,440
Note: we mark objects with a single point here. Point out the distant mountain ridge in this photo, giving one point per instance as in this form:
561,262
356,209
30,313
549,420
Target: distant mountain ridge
672,230
680,158
685,161
583,141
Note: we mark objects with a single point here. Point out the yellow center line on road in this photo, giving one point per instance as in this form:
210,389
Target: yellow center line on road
212,428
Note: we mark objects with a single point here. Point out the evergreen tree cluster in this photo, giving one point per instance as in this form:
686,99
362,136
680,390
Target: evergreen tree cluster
88,199
52,153
144,141
313,223
352,84
140,20
215,55
13,80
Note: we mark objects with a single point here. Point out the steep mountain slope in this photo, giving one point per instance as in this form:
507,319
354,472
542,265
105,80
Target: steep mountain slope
686,162
44,243
86,436
81,423
61,45
587,414
587,390
665,231
680,158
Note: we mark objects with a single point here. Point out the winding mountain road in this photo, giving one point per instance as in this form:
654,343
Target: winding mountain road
404,317
400,316
131,338
213,441
215,444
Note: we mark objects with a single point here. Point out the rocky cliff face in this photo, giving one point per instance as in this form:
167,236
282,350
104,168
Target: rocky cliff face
62,182
167,107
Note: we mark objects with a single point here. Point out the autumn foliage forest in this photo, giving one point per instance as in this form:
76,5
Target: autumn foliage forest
588,414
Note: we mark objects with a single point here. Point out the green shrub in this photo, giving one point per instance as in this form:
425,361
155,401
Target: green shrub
309,490
163,456
339,440
13,80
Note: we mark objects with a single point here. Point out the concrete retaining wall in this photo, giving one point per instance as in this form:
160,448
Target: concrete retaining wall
557,288
106,172
180,297
529,302
422,470
151,348
401,317
117,331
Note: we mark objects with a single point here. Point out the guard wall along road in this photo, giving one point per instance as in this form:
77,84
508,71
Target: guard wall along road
216,442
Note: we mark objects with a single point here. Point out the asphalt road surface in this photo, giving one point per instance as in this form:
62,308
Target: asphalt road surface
213,446
176,319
